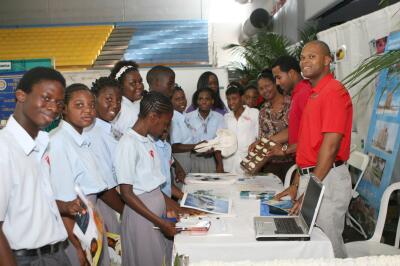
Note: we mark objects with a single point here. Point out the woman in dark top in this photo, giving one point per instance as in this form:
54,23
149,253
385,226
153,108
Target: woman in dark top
273,118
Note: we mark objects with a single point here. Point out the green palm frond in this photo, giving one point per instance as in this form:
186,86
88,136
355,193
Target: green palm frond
259,52
369,69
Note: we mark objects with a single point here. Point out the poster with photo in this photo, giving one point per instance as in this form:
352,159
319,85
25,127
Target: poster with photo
382,145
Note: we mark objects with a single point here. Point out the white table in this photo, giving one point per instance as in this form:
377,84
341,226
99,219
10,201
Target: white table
233,238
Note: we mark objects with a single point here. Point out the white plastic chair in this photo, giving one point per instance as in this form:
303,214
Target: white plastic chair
359,161
373,246
288,177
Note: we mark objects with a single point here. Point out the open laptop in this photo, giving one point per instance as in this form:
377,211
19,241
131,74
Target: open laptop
269,228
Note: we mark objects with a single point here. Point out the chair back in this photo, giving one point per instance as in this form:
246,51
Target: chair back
357,163
380,223
288,176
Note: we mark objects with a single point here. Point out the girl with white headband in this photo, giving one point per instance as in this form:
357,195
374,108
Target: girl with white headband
131,82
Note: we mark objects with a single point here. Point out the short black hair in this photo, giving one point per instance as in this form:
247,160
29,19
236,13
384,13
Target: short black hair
103,82
234,88
250,87
128,66
286,63
324,47
38,74
197,93
266,74
203,83
69,91
155,102
156,72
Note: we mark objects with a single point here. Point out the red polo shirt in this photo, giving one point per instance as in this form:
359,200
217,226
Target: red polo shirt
328,110
300,95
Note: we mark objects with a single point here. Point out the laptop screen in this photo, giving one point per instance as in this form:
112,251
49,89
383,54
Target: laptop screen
310,201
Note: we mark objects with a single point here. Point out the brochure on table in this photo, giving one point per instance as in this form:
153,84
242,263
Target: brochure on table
210,178
207,203
382,145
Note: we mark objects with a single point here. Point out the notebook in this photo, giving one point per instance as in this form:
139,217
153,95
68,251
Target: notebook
292,227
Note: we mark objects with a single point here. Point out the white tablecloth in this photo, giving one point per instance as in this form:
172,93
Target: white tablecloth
233,238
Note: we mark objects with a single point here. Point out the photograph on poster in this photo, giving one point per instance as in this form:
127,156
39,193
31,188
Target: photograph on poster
377,46
389,103
384,137
374,171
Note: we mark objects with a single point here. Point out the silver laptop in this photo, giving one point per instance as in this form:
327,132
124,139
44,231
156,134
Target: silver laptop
270,228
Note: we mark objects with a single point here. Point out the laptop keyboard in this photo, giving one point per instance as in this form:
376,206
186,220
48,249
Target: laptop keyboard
287,226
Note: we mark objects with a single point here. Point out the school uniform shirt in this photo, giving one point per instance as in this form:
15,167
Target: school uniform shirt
204,129
180,132
246,130
103,143
73,163
127,116
164,152
27,204
137,163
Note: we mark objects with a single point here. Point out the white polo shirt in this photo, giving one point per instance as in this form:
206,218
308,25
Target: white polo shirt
73,163
180,132
103,143
204,129
246,130
127,116
137,163
27,205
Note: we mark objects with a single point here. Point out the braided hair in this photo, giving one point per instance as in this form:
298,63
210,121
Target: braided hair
71,89
122,67
102,83
155,102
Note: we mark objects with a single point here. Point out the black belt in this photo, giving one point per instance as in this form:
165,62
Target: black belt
308,170
48,249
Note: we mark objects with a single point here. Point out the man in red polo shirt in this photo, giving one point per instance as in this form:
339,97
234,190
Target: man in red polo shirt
323,146
287,73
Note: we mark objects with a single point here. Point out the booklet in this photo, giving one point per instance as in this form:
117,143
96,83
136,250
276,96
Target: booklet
210,178
89,229
114,248
206,203
263,195
193,224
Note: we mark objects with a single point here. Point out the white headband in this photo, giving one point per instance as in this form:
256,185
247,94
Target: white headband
122,71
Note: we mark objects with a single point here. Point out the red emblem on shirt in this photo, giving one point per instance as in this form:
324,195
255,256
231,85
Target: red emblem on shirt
152,154
47,159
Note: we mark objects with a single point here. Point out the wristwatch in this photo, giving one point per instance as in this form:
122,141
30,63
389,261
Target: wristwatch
284,148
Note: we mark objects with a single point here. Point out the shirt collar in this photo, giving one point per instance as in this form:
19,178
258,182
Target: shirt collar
103,125
25,141
139,137
80,139
321,84
210,114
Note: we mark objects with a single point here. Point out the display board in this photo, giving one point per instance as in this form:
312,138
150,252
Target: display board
11,72
382,144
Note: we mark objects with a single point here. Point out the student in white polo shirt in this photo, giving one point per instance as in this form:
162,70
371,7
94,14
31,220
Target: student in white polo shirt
31,228
139,174
128,76
242,120
103,141
74,164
